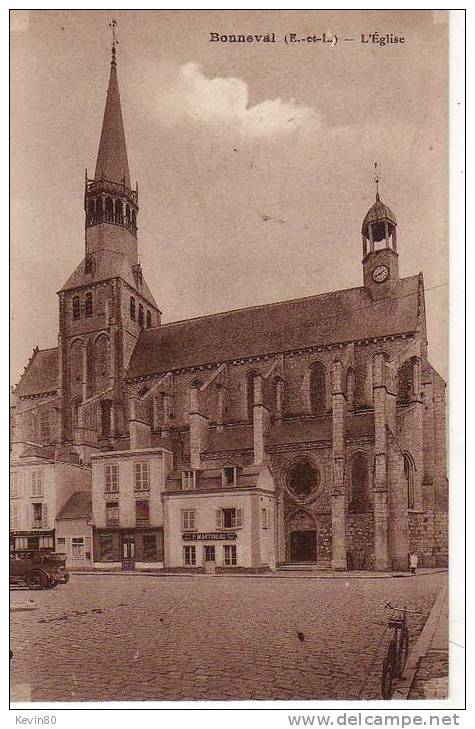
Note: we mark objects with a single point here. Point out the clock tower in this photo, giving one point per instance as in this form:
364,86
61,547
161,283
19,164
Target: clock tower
380,257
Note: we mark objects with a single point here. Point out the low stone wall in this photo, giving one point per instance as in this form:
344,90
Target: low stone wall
429,537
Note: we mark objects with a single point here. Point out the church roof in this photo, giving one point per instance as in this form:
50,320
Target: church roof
40,375
79,506
331,318
112,163
107,265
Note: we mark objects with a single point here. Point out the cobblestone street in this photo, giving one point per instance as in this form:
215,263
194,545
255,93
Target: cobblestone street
121,637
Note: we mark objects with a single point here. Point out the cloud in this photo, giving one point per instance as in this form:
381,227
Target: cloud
212,101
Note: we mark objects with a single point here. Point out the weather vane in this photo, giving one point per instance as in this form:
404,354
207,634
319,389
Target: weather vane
115,42
377,179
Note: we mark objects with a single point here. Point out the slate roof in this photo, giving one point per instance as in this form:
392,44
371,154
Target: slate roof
107,265
79,506
41,374
240,436
112,161
37,451
331,318
300,431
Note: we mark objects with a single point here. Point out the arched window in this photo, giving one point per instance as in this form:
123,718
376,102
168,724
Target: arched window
91,210
76,307
350,387
118,211
134,219
75,412
149,319
250,387
109,209
127,214
409,476
75,368
88,304
359,497
99,208
101,363
140,315
405,382
317,386
132,308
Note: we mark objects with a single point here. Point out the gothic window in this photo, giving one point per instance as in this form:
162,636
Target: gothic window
303,479
127,214
140,315
405,382
350,387
317,388
91,210
101,363
99,208
149,319
109,209
118,211
76,307
359,496
132,308
88,304
409,476
134,219
75,355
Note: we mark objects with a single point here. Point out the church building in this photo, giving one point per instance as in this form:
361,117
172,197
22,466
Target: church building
309,432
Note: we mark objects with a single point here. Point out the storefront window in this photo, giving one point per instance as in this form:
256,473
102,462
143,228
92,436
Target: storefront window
149,546
106,547
77,547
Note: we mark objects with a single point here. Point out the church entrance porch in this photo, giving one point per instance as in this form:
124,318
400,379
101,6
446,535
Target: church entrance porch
303,546
302,540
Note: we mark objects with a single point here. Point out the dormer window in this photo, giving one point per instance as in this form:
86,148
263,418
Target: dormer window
229,476
88,304
188,480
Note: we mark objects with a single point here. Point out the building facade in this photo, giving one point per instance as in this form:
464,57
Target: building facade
306,431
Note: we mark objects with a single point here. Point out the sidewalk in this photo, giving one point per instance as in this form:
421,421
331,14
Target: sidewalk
427,668
303,574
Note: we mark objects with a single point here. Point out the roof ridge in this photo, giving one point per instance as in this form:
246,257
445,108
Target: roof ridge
262,306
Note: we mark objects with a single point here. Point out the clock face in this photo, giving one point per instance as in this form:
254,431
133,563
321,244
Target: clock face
380,274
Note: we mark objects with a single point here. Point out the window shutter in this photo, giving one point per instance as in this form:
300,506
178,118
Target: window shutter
45,516
219,518
191,519
238,517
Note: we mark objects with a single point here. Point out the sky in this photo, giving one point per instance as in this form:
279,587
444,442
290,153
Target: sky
254,161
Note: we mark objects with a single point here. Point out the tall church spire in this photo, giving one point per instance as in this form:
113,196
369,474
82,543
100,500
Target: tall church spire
112,163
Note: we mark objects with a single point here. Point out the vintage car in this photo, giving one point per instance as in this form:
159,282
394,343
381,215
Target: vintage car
36,570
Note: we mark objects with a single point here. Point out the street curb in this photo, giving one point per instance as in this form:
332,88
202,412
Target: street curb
289,575
421,648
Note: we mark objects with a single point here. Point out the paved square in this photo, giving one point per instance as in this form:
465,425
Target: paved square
134,637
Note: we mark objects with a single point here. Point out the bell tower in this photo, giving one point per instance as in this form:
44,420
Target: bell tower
106,303
380,255
110,203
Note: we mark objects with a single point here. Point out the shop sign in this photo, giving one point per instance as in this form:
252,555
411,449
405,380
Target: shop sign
208,536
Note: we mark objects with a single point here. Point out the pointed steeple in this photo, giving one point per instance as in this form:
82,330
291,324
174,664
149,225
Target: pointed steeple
112,163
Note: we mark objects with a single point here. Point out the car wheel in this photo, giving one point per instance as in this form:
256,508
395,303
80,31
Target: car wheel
36,580
65,579
51,584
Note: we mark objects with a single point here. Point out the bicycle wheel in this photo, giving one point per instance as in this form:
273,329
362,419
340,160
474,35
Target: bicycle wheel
403,650
389,671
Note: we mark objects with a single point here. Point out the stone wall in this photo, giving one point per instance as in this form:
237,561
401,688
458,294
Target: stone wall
428,536
360,541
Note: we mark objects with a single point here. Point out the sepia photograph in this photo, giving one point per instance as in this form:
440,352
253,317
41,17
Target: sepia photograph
229,267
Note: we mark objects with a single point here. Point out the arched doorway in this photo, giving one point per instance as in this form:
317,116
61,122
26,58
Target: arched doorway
302,537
